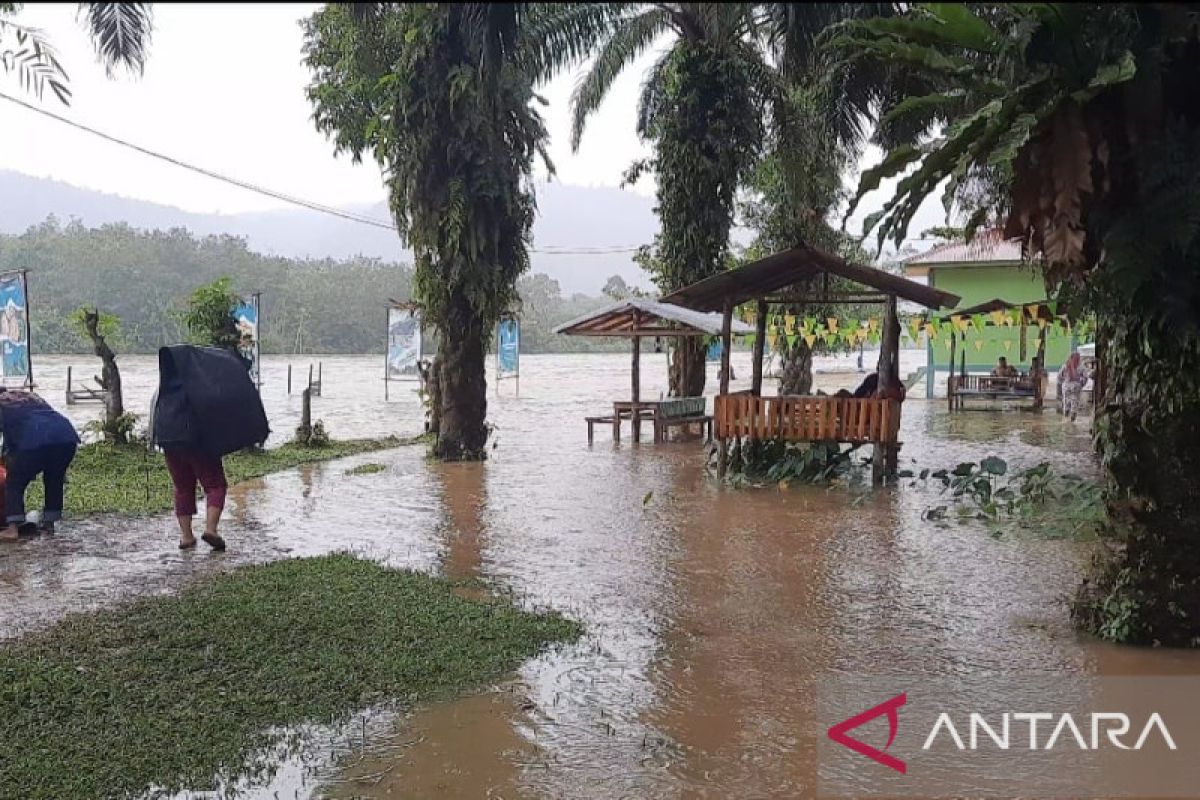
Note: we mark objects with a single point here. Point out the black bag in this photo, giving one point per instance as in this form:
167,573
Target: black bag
207,402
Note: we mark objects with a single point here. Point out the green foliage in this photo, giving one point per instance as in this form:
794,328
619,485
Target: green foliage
780,462
1058,506
129,479
314,437
121,430
208,316
367,469
189,692
109,326
143,277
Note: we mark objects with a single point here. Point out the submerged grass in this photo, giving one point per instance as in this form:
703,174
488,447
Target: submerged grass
182,692
366,469
107,478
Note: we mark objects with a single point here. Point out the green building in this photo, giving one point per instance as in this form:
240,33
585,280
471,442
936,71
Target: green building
987,268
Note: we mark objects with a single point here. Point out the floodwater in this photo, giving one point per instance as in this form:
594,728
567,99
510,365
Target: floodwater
711,613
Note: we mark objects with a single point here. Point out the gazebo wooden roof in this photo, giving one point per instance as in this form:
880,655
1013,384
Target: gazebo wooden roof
778,272
642,316
996,304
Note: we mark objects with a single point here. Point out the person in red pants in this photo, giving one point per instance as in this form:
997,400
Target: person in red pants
189,467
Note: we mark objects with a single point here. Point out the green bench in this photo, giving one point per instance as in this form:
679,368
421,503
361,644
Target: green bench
681,412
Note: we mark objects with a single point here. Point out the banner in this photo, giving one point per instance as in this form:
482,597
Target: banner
508,348
247,315
14,329
404,344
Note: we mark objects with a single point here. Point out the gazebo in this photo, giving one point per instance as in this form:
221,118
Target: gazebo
638,317
797,277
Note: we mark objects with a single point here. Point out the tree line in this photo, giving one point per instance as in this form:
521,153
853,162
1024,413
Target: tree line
144,278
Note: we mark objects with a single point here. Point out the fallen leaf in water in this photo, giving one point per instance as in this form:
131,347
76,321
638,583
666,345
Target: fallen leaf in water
649,496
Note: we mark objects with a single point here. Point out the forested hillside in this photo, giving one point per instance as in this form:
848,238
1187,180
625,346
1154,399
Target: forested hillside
309,306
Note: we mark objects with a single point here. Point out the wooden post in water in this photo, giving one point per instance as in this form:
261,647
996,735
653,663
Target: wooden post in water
635,379
883,461
760,336
950,381
305,431
726,346
289,378
309,387
70,400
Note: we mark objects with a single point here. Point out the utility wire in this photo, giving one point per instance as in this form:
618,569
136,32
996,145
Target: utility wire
277,195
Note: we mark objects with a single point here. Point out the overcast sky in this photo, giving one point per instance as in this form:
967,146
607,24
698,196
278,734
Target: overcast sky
224,89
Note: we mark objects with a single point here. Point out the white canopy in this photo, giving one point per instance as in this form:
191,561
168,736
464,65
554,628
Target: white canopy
644,316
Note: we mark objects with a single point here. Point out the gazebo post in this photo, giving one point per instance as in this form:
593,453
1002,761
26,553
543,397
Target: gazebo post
726,345
950,382
635,379
883,461
760,336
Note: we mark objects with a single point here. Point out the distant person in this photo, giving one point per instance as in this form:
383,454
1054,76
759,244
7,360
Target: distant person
206,407
1003,369
37,441
1036,379
1071,381
869,387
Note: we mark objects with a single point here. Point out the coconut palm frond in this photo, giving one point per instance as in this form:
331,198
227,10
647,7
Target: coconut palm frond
120,33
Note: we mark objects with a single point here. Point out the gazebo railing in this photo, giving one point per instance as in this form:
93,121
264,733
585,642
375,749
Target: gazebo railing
807,419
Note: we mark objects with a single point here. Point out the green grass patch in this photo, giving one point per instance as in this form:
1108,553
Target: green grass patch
178,692
106,478
366,469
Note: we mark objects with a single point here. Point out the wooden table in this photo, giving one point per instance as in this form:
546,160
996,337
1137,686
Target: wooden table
636,411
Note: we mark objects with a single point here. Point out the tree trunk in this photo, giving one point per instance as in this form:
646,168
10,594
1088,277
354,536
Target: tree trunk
688,367
462,423
1146,588
109,380
796,376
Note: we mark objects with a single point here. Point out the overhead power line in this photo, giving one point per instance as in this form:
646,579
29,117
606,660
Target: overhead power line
283,196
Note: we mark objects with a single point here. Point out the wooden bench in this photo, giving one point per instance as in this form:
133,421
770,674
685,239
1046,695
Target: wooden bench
960,388
615,421
681,412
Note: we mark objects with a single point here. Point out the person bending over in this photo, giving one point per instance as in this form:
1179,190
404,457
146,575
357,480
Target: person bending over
37,441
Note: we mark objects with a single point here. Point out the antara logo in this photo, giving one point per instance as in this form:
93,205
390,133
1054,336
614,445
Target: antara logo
1058,730
838,732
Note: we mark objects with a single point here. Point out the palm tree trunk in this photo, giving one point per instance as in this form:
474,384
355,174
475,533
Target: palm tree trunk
796,376
462,427
1146,588
688,367
109,379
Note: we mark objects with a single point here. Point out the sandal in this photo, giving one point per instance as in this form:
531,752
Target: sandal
189,546
214,541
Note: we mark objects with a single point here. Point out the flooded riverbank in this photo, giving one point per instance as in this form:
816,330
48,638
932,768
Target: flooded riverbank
710,613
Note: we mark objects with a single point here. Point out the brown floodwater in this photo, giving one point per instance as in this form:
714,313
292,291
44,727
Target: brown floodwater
710,612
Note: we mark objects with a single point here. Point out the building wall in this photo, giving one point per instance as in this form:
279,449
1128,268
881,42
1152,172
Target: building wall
978,284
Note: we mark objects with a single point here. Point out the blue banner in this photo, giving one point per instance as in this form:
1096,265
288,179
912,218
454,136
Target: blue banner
247,315
14,328
508,348
404,344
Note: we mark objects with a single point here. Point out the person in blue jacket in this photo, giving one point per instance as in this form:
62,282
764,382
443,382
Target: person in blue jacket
37,441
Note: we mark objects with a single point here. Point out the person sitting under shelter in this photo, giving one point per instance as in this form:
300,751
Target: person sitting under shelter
1003,369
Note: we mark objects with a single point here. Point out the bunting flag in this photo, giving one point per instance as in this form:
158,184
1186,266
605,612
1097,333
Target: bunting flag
1037,343
832,322
914,328
873,325
999,317
1041,322
750,338
810,323
1052,306
789,323
875,337
979,344
929,330
948,341
960,323
1007,345
791,340
1031,310
809,339
1014,317
771,337
806,325
979,321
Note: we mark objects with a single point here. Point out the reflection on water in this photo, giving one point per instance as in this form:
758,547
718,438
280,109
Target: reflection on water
711,613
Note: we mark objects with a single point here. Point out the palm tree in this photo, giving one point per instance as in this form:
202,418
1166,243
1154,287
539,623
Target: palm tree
441,94
119,31
1080,120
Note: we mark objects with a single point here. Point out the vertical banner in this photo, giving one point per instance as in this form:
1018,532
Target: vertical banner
247,316
403,344
508,348
14,329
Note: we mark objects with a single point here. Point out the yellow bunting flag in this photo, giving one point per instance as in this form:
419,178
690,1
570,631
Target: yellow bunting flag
948,341
1041,321
832,323
789,323
809,338
771,339
1007,345
959,323
1032,310
979,344
929,329
999,317
873,324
